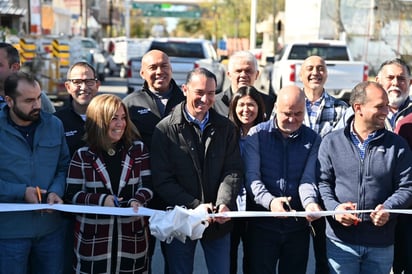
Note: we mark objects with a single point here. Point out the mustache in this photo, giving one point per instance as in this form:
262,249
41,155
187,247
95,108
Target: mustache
35,111
394,89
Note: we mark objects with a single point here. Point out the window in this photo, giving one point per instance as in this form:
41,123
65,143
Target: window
179,49
327,52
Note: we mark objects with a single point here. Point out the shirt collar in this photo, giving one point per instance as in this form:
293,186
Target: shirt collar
192,119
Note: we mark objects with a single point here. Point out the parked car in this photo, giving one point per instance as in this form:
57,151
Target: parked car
85,48
343,72
185,54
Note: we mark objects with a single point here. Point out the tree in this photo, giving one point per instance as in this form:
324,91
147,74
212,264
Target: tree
226,18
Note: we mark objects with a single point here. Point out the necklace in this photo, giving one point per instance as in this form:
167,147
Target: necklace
111,152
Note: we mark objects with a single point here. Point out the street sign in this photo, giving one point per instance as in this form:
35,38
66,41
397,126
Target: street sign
146,6
167,13
168,10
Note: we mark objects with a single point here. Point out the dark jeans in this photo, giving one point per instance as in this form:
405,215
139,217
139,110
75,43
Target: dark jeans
152,245
319,246
69,220
37,255
402,260
266,249
238,233
216,253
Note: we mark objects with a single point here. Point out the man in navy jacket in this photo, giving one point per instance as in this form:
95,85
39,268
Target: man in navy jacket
364,166
280,161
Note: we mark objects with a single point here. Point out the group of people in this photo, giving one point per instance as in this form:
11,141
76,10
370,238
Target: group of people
165,146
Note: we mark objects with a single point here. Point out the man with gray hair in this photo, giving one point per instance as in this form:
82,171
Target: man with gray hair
242,71
395,77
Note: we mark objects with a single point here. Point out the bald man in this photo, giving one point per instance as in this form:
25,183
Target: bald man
158,96
322,114
323,111
280,161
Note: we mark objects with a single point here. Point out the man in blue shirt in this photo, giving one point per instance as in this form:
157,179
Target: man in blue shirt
364,166
34,159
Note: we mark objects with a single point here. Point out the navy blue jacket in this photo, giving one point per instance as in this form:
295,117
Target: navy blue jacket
384,176
280,167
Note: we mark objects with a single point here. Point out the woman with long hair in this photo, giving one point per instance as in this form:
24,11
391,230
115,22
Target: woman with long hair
246,110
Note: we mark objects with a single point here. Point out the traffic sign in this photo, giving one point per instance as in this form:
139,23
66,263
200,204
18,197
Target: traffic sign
168,10
168,13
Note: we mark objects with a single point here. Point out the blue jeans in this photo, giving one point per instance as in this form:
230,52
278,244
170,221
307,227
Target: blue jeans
43,255
266,249
181,255
358,259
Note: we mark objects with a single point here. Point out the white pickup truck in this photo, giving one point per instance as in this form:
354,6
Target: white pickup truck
343,72
185,54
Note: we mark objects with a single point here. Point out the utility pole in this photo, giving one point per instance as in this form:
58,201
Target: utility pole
111,18
276,33
86,24
127,17
253,12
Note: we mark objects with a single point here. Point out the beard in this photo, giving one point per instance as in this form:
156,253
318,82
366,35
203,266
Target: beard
32,116
395,100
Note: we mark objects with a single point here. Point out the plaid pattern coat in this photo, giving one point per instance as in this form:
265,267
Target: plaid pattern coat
96,236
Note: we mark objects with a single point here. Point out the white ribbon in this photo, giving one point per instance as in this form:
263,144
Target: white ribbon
103,210
178,223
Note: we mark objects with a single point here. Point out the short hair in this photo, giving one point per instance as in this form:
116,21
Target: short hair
255,95
13,55
81,64
396,61
99,114
358,93
12,81
200,71
243,54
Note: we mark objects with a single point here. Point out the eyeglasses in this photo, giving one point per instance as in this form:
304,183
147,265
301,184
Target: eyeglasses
79,82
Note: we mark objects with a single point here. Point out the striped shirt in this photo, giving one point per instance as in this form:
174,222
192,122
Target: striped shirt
323,115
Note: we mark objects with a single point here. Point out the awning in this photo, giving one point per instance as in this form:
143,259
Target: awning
7,8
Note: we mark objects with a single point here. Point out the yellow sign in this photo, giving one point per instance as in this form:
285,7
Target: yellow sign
61,50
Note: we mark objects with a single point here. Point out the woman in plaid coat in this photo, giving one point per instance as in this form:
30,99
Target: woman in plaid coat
110,171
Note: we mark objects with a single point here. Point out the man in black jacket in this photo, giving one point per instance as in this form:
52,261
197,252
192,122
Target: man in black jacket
196,156
158,96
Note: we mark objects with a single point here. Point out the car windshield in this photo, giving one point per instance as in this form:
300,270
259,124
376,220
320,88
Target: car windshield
88,44
327,52
179,49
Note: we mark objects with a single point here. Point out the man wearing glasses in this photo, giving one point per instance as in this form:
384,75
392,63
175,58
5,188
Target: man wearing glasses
82,85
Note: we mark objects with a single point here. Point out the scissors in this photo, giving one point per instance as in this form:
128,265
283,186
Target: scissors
287,207
38,194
